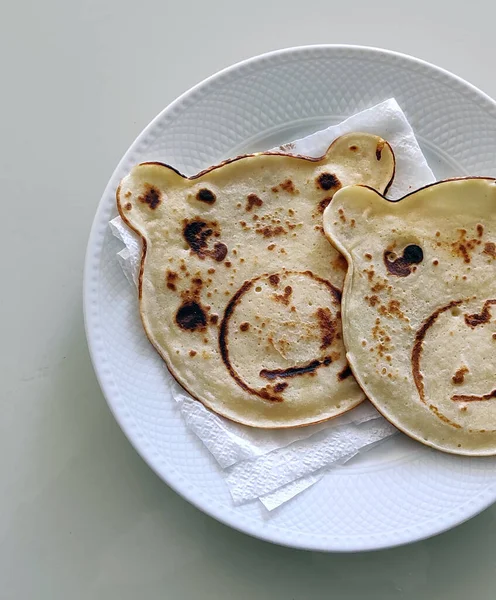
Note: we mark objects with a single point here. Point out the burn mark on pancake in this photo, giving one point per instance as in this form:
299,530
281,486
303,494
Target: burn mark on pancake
379,149
480,230
285,297
402,266
328,181
309,367
459,377
328,327
191,317
197,234
324,203
463,246
490,249
480,318
206,195
280,387
466,398
128,206
170,278
286,186
340,263
345,373
150,196
274,280
253,200
214,319
269,231
244,326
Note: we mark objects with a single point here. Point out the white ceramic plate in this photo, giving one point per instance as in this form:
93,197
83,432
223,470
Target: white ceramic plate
397,493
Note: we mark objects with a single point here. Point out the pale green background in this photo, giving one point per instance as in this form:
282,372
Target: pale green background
82,517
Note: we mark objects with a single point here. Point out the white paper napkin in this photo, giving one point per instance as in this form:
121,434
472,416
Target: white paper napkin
275,466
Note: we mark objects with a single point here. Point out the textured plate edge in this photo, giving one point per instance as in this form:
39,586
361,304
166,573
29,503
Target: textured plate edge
109,389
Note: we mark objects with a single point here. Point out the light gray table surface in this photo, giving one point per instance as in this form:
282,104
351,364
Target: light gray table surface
81,515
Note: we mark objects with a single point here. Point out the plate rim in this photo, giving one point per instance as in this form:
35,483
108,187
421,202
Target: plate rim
104,376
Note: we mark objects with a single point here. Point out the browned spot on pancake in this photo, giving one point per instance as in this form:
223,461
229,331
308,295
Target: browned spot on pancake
328,327
379,149
490,249
227,264
284,298
192,352
465,398
463,246
211,271
287,147
274,280
353,148
339,263
197,233
345,373
244,326
291,212
288,186
206,195
438,233
372,300
214,319
443,418
482,317
170,278
128,194
253,200
308,368
150,196
280,387
370,273
392,309
191,317
480,230
435,262
128,206
342,216
402,265
269,231
328,181
419,340
324,203
378,287
219,252
271,247
459,377
352,223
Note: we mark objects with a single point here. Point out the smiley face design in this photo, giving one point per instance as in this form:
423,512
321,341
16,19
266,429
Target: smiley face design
239,288
419,308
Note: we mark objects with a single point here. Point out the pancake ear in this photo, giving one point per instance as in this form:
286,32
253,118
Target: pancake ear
351,216
142,194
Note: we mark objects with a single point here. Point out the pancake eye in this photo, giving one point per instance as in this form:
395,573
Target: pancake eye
403,266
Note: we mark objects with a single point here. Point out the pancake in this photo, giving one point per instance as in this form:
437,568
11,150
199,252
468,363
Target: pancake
419,308
239,289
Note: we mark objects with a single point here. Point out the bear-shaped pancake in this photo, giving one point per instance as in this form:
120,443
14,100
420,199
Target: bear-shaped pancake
419,307
240,290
